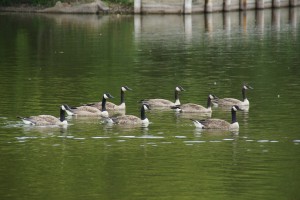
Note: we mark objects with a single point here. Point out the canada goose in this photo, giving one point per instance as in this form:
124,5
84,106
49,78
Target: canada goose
163,102
46,120
219,123
232,101
89,110
195,108
111,106
131,120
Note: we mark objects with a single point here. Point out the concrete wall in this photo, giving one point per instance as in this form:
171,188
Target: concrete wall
200,6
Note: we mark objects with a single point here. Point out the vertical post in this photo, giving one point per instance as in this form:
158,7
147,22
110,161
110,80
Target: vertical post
243,4
208,6
276,3
260,4
187,6
227,5
137,6
293,3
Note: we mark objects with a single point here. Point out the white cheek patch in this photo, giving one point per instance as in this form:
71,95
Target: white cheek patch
124,89
245,87
178,89
63,107
105,96
211,97
234,108
145,107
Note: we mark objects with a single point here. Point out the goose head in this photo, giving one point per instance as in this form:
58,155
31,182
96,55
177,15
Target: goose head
63,107
246,87
125,88
68,110
146,106
212,97
107,96
179,88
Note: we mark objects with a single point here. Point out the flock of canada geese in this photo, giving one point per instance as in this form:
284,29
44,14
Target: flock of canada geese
104,108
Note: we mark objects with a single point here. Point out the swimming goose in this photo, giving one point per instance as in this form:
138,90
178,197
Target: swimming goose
195,108
110,105
163,102
89,110
232,101
219,123
131,120
46,120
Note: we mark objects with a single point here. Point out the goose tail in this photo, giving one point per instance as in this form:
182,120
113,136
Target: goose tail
197,123
108,120
26,121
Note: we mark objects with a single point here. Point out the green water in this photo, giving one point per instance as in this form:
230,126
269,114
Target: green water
48,60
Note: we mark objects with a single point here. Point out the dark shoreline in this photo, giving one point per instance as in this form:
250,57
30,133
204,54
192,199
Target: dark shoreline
113,9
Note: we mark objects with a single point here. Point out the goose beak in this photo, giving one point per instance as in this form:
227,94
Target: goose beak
109,96
127,88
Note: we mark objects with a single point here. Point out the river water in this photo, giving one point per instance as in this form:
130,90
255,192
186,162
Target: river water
49,60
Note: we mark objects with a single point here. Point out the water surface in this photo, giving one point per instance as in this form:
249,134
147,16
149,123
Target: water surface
49,60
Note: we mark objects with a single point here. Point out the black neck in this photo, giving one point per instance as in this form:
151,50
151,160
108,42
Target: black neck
233,116
122,96
176,95
143,114
62,115
103,104
244,93
208,102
